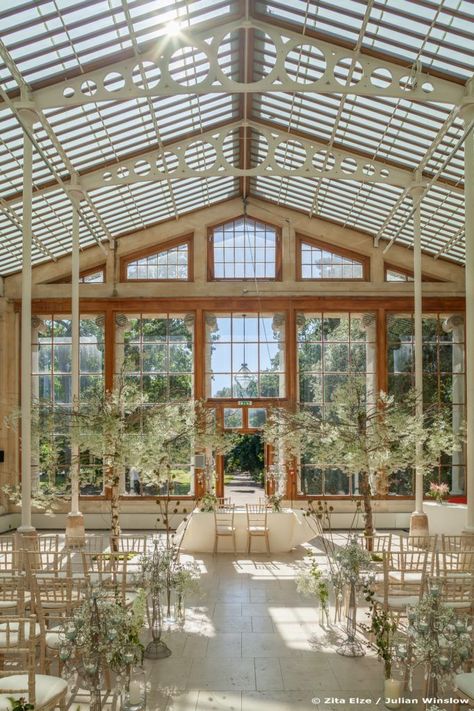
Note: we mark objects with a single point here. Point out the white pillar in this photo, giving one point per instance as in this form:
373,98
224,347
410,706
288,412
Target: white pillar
419,520
455,325
369,325
75,522
467,113
121,324
26,525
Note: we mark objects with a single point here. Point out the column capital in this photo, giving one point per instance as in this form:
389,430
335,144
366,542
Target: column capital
75,192
452,322
466,109
417,189
27,111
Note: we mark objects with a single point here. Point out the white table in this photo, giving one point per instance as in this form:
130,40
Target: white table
287,529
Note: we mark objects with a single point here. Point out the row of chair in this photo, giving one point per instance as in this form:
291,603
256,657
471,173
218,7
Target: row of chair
257,524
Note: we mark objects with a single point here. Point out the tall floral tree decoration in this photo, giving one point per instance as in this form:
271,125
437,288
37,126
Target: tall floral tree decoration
372,439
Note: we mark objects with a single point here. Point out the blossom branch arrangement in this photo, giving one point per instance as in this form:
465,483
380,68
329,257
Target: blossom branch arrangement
161,573
102,636
437,638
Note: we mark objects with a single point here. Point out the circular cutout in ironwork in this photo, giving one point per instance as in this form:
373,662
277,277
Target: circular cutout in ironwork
141,167
189,66
381,77
368,169
88,87
113,81
200,155
167,162
408,83
290,155
123,172
324,160
146,75
349,166
348,72
305,64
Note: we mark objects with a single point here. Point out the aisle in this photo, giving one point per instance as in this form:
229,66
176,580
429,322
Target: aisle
252,643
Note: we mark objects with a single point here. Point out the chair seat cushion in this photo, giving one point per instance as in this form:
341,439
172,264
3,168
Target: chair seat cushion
52,637
13,633
224,530
47,689
398,602
465,683
257,529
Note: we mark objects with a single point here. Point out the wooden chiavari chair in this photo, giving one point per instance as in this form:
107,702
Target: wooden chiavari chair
13,596
109,572
7,542
257,525
410,543
457,543
224,525
404,580
48,564
459,563
54,602
18,637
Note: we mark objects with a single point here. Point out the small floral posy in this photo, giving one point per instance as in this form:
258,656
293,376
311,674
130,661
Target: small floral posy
438,492
274,500
312,582
20,704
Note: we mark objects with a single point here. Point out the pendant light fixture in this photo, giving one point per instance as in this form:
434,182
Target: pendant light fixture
243,377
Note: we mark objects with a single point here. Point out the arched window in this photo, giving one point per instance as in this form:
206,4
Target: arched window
317,261
171,261
244,248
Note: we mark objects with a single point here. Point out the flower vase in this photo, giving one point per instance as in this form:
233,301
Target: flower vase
157,648
393,690
351,647
134,693
180,610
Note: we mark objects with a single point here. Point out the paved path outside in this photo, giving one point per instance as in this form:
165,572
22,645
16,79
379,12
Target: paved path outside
242,489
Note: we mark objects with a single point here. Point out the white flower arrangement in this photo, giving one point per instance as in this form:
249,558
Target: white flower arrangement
313,582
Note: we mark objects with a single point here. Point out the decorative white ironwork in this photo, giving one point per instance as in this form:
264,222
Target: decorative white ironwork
283,154
168,69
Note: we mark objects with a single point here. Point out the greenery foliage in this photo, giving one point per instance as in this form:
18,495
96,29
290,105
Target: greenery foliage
374,440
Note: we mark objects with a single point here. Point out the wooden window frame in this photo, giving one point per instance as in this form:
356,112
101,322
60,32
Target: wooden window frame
210,252
388,266
92,270
187,239
363,259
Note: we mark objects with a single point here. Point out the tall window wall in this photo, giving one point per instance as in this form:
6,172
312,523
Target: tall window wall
155,352
52,383
245,355
331,348
443,381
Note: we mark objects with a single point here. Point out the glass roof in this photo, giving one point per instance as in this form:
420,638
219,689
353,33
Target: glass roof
50,40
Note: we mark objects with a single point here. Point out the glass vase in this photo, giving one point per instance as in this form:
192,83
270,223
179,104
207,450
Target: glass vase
134,693
351,647
157,648
180,610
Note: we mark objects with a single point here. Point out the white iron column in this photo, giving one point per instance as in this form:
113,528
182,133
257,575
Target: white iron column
468,116
419,520
455,325
75,522
26,527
